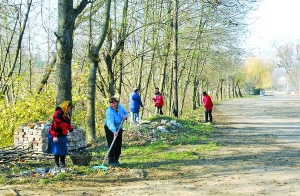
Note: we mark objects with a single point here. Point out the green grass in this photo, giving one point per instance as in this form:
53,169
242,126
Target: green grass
170,151
186,145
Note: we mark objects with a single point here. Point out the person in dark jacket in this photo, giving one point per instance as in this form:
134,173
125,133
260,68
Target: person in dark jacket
135,103
208,106
57,137
114,119
158,101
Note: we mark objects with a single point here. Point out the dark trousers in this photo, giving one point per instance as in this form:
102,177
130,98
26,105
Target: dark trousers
208,113
61,158
159,110
116,148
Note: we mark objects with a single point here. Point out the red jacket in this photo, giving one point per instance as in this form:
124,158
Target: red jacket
208,104
60,124
158,100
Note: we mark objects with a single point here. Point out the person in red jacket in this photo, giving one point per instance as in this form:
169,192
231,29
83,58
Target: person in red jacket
57,138
208,106
158,101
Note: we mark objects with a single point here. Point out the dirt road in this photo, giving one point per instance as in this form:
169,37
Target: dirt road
263,136
260,140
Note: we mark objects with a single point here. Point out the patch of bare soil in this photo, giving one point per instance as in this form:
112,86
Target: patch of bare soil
259,139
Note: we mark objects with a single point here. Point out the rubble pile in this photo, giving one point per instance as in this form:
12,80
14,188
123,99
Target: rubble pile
148,132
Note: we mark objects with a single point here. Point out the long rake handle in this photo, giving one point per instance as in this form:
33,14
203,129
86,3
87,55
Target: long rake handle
109,149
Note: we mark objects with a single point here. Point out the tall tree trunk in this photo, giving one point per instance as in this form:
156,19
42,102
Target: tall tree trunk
175,56
240,93
196,75
170,98
64,45
90,113
166,49
221,88
142,49
141,60
233,87
121,65
30,64
94,61
217,91
152,60
187,83
110,75
195,90
228,87
123,37
111,54
200,63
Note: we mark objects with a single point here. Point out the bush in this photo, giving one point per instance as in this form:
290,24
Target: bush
32,108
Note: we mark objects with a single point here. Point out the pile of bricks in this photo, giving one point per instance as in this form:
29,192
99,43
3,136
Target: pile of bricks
34,137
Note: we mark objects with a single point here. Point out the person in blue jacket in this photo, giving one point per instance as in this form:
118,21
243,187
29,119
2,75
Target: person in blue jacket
115,115
135,103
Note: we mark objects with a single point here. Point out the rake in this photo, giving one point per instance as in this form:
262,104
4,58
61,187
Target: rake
112,143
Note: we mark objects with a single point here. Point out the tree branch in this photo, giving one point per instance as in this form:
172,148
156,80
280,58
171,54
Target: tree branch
80,7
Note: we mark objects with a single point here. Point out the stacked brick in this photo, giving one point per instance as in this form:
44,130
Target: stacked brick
34,137
76,139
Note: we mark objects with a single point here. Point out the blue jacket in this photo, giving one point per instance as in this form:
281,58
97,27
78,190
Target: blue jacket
134,102
113,118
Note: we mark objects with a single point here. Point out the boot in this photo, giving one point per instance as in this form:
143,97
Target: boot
63,161
111,161
117,163
56,160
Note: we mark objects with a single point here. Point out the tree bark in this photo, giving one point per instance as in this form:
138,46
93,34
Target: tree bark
94,61
64,45
175,56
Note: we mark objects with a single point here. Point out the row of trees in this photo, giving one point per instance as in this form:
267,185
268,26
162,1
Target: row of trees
90,50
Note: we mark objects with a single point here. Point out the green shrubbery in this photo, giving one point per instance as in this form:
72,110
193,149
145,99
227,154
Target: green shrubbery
32,108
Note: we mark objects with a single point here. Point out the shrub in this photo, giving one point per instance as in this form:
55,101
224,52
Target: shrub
33,107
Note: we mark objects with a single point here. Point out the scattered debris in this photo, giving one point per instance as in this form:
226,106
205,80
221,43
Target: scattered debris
149,132
8,155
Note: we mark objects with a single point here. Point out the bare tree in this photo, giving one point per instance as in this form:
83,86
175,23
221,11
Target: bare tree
14,64
288,53
94,61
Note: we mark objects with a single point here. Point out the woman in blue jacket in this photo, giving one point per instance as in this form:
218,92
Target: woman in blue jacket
114,116
135,103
